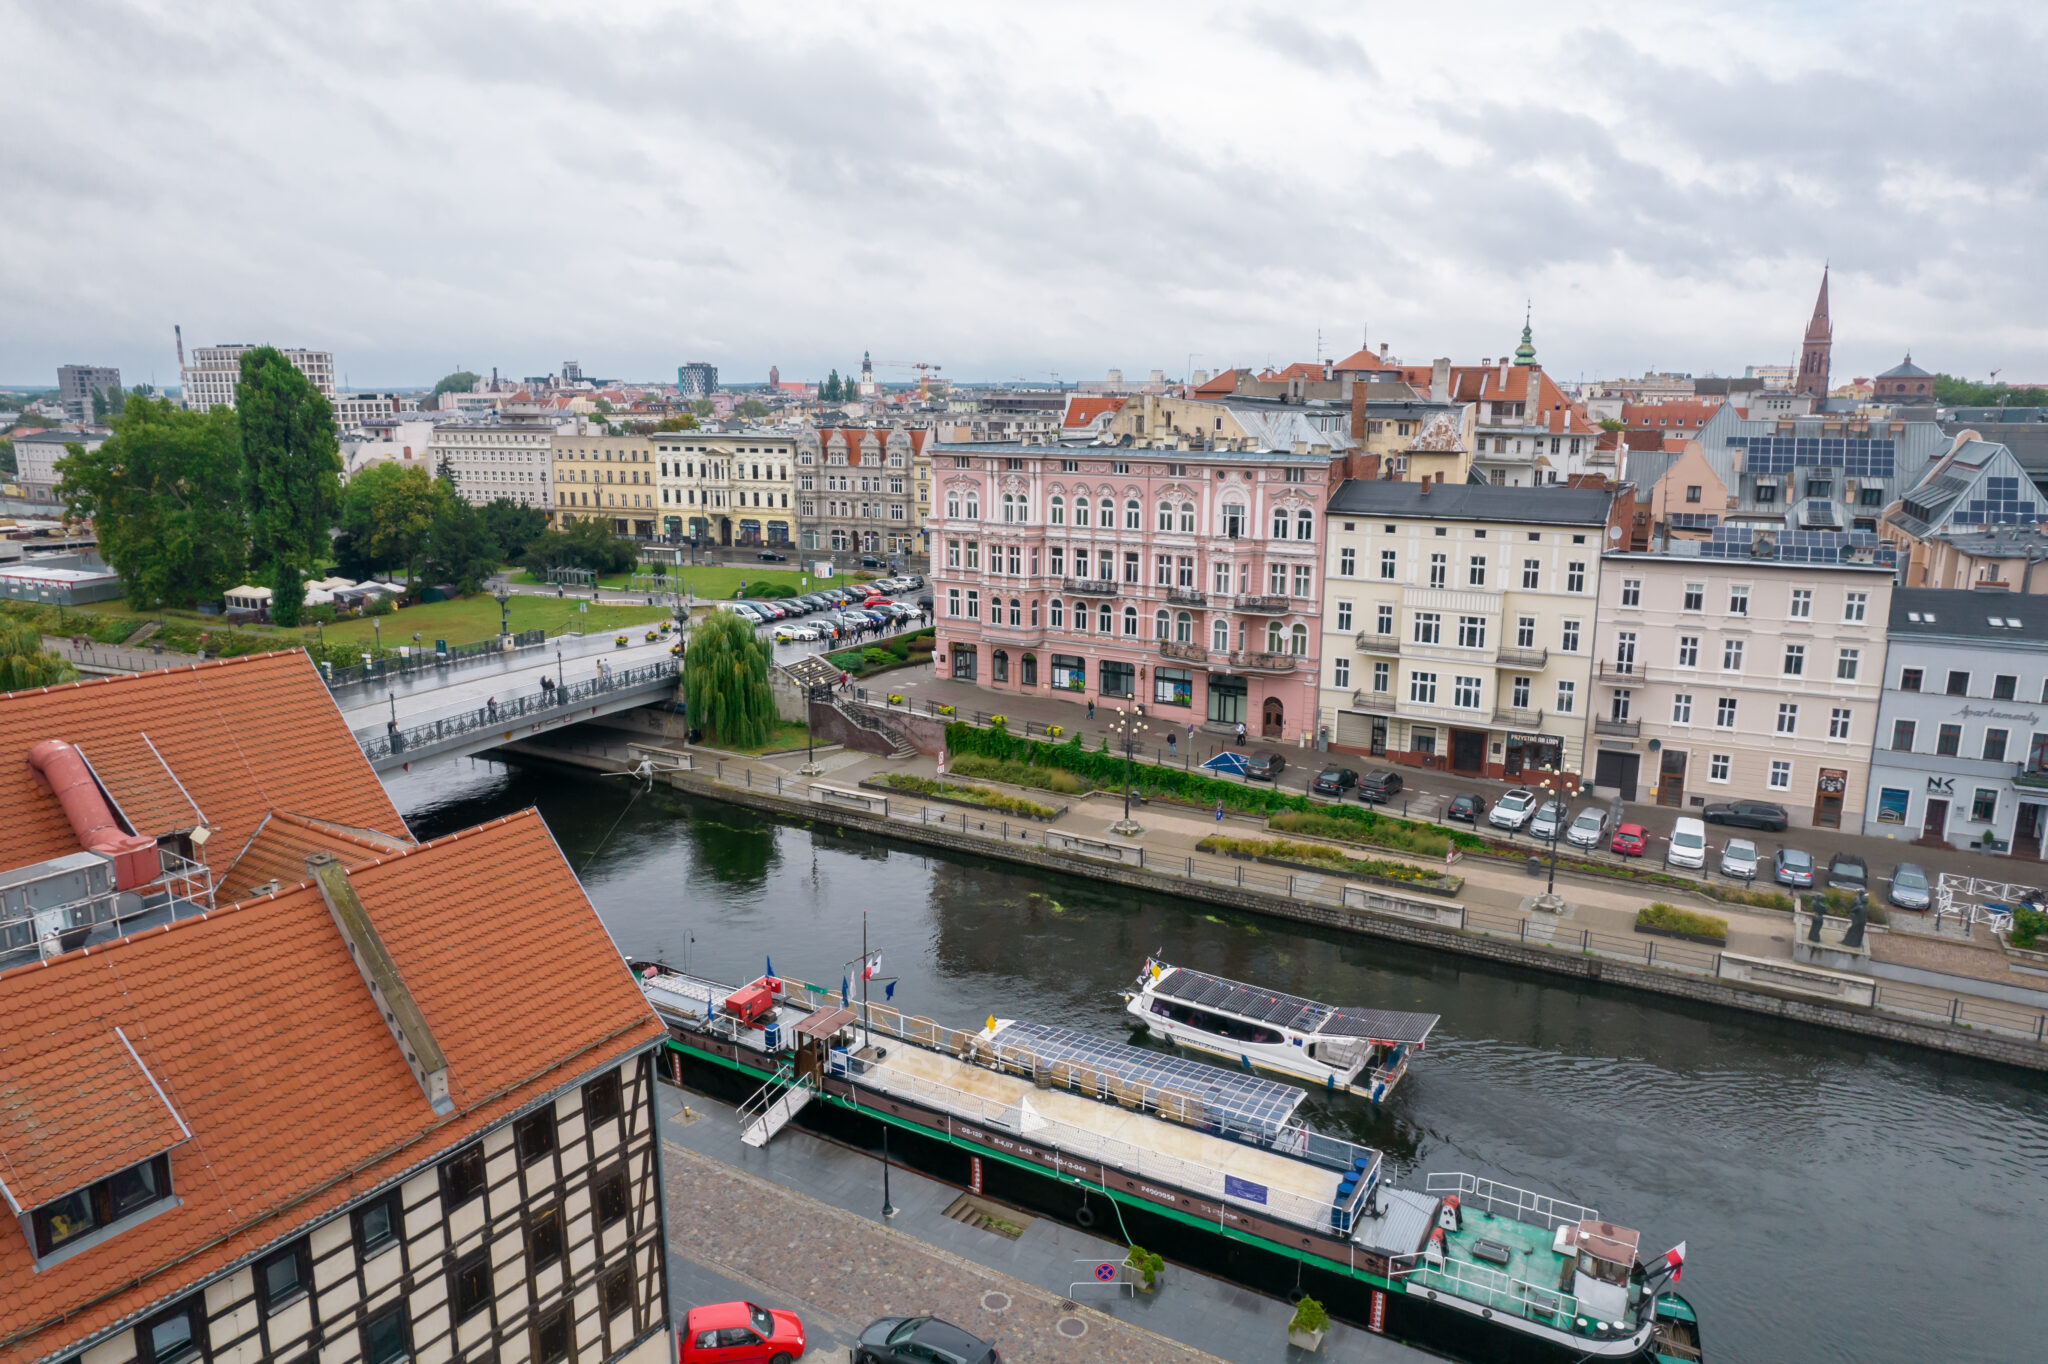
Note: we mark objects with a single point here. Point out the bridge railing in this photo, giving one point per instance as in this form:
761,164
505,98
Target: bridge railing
391,667
523,706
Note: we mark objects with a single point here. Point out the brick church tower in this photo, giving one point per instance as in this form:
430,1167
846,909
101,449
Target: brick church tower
1813,353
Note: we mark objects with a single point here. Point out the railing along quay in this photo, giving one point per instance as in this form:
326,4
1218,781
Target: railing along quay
539,703
391,667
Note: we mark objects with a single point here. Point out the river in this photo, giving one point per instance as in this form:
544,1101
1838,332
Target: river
1841,1199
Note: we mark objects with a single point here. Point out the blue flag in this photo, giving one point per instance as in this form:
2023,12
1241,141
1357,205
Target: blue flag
889,990
842,990
771,964
709,1012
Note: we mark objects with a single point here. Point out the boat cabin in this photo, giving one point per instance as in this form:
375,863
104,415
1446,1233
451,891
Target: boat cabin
1601,1264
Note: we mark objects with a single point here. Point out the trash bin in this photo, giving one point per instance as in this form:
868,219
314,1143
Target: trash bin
1535,865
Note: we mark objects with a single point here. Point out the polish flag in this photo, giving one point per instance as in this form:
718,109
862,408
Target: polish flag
874,968
1675,1259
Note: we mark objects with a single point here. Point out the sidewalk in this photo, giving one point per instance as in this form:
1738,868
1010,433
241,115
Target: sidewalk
798,1222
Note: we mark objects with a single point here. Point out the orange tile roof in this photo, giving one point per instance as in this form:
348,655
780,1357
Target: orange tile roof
1222,384
1083,411
1362,359
75,1106
1669,416
230,740
278,851
258,1027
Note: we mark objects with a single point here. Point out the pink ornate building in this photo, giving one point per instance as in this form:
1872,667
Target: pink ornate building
1188,580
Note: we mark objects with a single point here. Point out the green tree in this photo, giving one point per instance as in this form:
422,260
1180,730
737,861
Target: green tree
8,467
1953,392
461,381
725,681
583,543
753,409
703,408
459,549
165,497
292,473
830,392
513,525
386,512
682,423
603,405
24,662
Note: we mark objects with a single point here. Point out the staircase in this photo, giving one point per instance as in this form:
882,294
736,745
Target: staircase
773,1105
140,635
865,718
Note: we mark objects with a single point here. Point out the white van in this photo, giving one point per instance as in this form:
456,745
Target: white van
1688,847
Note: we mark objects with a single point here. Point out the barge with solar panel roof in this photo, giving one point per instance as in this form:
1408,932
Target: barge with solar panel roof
1164,1150
1359,1051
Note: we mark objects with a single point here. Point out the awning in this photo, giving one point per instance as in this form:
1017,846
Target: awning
824,1023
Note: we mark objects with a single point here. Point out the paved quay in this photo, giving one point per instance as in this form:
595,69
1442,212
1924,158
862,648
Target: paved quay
797,1225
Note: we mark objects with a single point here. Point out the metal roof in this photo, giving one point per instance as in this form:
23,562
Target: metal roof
1260,1005
1239,1099
1472,502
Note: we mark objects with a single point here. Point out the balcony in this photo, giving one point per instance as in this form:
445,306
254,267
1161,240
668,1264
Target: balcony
1094,587
1620,729
1630,671
1378,702
1507,717
1269,605
1187,596
1378,644
2033,775
1264,663
1014,636
1186,653
1513,656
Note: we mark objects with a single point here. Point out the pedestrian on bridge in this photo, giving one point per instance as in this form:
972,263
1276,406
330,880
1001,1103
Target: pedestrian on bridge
492,703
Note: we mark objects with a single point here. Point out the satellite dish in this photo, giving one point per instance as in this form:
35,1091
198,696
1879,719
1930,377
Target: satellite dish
1614,532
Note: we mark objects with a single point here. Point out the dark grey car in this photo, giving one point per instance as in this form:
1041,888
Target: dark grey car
921,1340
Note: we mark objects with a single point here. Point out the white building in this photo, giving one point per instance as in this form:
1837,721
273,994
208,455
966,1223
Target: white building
353,409
404,440
490,460
36,456
211,373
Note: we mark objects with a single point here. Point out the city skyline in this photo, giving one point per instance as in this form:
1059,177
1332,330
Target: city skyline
1016,197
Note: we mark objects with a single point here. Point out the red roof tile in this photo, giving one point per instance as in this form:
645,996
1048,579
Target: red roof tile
1083,411
257,1025
279,848
75,1106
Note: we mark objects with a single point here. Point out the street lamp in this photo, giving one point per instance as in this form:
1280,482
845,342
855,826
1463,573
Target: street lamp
1554,785
820,693
504,596
1127,728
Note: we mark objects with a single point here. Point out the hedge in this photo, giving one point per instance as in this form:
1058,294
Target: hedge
981,796
1317,854
1017,774
1173,783
1671,919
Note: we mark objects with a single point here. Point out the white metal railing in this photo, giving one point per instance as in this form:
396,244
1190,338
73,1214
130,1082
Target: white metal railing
1961,897
1522,1205
1477,1283
761,1100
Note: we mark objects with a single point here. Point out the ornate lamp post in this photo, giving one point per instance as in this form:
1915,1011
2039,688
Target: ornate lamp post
504,596
1127,728
1554,785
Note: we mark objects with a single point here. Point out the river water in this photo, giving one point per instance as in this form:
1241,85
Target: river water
1841,1199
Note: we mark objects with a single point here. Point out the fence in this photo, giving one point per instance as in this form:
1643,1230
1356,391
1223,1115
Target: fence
539,703
390,667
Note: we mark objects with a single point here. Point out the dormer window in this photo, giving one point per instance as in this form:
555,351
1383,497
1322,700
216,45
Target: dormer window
101,1205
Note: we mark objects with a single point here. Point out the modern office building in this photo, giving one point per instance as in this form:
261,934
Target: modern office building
491,459
76,385
697,379
211,372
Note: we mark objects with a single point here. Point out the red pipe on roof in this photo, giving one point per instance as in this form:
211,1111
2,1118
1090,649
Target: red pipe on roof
62,769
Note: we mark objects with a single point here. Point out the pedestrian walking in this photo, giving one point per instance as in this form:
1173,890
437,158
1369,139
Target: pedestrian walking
1091,708
1240,731
1172,740
493,704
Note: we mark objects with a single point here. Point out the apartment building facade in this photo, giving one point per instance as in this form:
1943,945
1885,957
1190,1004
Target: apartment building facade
599,476
727,488
1458,625
36,455
492,459
863,490
1746,666
211,372
1186,580
1961,752
77,385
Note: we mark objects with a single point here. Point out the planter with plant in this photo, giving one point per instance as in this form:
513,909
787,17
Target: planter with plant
1146,1265
895,698
1055,730
1667,921
943,710
1305,1331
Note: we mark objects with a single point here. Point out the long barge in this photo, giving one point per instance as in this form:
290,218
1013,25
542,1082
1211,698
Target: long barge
1083,1129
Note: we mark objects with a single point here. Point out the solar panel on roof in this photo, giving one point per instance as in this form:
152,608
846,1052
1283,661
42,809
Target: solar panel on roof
1236,1098
1292,1011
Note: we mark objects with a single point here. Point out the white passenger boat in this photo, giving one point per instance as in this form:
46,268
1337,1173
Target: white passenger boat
1360,1051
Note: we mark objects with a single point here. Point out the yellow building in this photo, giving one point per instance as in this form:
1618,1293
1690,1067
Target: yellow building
608,478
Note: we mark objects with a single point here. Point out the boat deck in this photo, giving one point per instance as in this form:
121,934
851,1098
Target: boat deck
1130,1140
1534,1261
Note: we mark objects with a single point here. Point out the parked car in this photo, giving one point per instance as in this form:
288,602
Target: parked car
1629,840
741,1333
1589,828
1791,867
924,603
1738,859
1512,810
1466,808
1265,767
1379,786
873,561
1548,821
1748,814
1909,889
1847,871
769,556
1688,845
1335,781
921,1340
786,633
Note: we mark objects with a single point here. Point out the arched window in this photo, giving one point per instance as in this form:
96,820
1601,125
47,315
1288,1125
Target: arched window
1304,525
1034,615
1134,515
1298,641
1009,508
999,670
1059,510
1016,611
952,506
1166,516
1233,520
1131,621
1184,628
1187,517
1081,517
1280,523
1219,636
1159,624
973,505
1103,619
1059,614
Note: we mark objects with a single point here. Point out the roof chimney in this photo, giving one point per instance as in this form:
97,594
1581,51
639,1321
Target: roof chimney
388,990
1425,486
1440,379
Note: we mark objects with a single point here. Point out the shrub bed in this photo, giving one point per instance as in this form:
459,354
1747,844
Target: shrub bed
1672,922
1321,857
1017,774
893,652
1421,840
980,797
2028,925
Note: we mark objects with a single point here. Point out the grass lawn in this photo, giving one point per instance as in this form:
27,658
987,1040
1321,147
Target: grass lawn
718,581
788,734
468,619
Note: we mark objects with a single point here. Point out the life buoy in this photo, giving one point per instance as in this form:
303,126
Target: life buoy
1085,1216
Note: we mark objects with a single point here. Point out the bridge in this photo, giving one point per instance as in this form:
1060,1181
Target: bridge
467,704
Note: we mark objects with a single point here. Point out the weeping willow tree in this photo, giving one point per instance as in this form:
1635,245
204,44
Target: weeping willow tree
725,682
24,662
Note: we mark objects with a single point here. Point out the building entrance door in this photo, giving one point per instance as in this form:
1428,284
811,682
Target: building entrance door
1468,751
1379,736
1935,825
1671,779
1616,769
2027,829
1827,798
1273,719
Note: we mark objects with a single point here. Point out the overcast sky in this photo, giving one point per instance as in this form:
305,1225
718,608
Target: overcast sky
1018,191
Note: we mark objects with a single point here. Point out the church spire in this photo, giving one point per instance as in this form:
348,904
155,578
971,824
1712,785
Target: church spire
1812,378
1525,354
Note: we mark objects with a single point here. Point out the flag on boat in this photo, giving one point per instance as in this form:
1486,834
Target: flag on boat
843,992
770,972
1675,1258
872,967
889,990
710,1011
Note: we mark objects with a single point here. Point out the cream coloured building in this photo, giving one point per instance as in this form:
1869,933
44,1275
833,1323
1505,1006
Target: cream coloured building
603,477
727,487
1459,623
1745,667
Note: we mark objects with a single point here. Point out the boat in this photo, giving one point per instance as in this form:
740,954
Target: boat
1359,1051
1213,1161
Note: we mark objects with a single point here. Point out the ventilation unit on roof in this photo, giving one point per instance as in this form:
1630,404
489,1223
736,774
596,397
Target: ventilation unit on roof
1764,546
53,907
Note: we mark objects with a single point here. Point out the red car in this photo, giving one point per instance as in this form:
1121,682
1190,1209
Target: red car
1628,840
740,1333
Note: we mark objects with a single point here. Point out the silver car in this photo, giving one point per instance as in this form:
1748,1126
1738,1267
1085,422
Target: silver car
1589,828
1909,888
1738,859
1549,820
